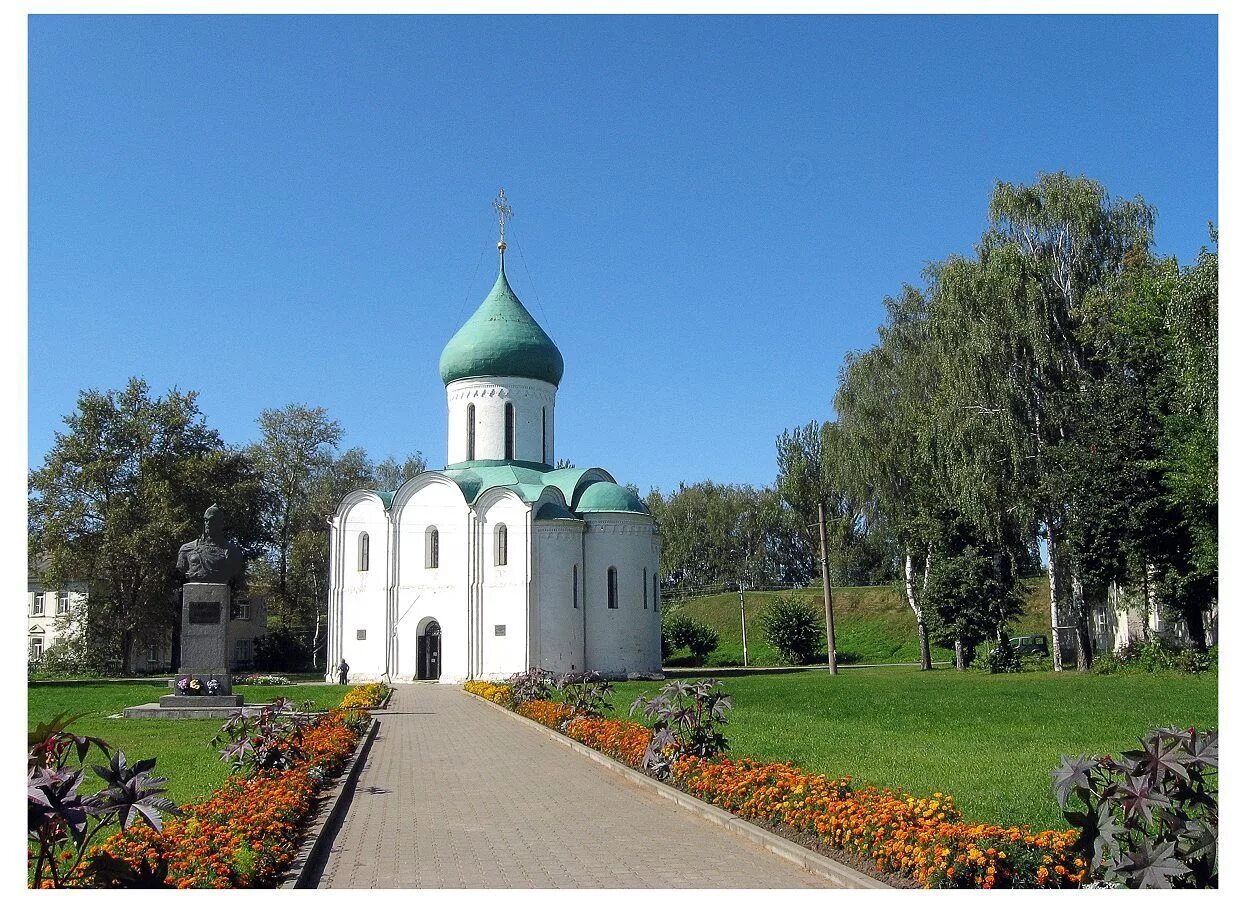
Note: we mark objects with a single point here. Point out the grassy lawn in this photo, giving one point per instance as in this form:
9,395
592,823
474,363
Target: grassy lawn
180,747
873,624
990,740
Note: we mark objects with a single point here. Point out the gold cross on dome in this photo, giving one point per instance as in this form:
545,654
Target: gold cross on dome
504,213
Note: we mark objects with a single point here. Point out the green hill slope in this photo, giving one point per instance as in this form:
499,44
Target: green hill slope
873,624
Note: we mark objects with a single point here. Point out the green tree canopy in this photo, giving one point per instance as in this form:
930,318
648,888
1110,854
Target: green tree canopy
121,489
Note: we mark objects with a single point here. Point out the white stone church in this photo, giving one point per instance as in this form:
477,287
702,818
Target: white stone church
499,562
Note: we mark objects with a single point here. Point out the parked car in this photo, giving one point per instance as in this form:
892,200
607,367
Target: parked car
1034,644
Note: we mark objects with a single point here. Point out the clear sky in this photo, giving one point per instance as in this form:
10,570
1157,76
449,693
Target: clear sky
708,211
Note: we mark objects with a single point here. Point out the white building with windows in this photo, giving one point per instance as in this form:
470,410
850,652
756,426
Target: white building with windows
48,610
500,562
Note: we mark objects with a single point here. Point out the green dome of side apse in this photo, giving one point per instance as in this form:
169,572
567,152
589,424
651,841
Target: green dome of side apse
501,339
609,497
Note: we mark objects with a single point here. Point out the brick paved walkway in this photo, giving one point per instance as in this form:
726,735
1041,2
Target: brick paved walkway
456,795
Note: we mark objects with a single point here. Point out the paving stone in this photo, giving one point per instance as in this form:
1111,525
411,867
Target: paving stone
455,795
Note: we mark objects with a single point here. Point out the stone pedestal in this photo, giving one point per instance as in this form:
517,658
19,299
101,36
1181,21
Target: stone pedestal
228,701
205,634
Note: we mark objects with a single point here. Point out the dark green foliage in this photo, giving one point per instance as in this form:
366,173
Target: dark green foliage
1157,656
971,593
282,649
715,535
795,629
680,632
1149,819
121,489
687,719
1003,659
1060,384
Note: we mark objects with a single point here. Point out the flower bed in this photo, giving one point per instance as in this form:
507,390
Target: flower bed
499,693
247,832
365,696
921,838
264,680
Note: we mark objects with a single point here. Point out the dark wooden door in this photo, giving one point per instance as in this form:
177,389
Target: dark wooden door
428,651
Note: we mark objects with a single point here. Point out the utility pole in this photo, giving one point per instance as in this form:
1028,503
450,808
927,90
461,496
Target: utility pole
826,591
743,626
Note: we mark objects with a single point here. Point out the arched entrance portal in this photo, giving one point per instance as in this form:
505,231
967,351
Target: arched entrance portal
428,652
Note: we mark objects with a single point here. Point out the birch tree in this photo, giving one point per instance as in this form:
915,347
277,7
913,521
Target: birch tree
884,406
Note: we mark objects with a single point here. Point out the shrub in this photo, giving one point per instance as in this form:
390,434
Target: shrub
680,631
267,741
77,655
1155,656
587,692
685,718
533,684
794,628
1150,819
1003,659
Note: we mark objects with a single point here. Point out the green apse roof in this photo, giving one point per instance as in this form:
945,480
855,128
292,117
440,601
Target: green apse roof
501,339
603,497
585,492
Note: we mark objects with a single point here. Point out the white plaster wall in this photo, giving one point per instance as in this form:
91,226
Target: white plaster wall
364,594
490,395
626,640
442,592
505,592
559,547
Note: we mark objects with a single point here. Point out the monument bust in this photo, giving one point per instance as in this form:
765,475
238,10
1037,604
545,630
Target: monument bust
210,558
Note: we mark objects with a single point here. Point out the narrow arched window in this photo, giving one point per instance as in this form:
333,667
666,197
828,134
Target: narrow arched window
471,432
544,441
364,544
499,548
612,588
644,585
432,548
510,431
575,586
655,591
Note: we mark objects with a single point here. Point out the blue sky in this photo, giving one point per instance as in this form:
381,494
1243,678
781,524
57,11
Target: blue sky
708,211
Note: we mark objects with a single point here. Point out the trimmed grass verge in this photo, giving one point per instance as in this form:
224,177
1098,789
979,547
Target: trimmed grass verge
989,739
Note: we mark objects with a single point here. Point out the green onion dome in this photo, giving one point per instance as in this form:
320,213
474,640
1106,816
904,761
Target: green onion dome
501,339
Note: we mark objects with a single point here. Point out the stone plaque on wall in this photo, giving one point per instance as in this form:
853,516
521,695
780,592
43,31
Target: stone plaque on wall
205,610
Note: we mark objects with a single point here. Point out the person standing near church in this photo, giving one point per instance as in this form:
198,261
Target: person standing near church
342,670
